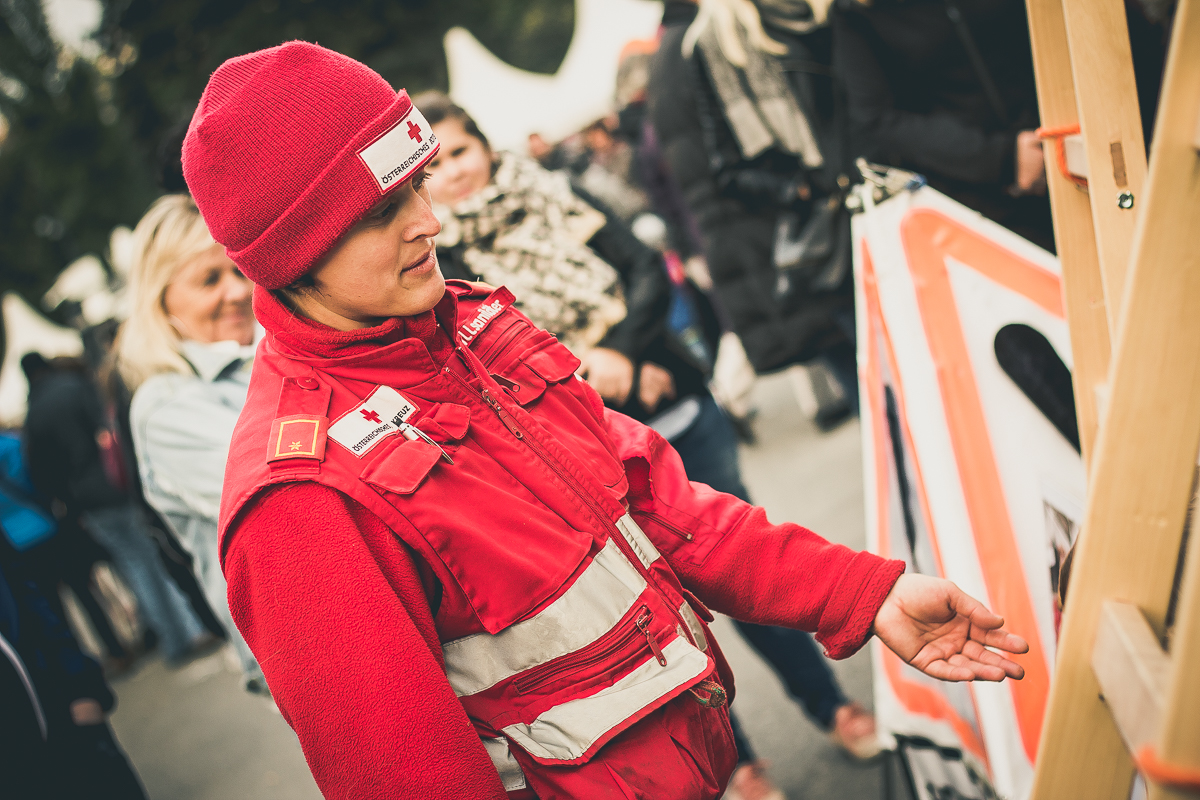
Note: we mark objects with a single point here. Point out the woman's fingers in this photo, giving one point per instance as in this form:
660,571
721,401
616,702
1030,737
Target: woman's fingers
979,670
1001,640
1012,669
991,659
994,661
944,670
974,610
975,651
974,662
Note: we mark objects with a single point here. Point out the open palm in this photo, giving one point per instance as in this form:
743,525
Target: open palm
945,633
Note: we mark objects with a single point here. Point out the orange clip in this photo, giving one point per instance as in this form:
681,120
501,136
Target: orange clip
1060,149
1165,773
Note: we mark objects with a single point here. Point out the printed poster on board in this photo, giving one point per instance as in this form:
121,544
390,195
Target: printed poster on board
969,465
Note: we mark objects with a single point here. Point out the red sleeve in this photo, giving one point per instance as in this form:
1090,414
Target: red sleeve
334,608
727,553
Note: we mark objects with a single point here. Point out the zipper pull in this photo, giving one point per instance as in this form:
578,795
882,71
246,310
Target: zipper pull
511,386
643,623
504,416
412,433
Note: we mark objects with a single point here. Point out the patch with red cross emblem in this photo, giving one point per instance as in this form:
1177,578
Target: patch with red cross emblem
371,421
394,155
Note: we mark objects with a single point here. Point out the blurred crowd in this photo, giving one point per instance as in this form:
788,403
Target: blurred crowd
696,237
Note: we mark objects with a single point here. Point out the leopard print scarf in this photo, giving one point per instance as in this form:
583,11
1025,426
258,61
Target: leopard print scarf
528,231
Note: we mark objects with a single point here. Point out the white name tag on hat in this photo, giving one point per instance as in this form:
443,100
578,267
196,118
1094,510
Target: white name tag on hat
400,151
372,420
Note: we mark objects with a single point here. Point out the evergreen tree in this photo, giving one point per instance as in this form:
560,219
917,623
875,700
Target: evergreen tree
90,143
67,173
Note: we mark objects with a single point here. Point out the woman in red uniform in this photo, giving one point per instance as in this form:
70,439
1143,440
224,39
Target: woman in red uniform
461,575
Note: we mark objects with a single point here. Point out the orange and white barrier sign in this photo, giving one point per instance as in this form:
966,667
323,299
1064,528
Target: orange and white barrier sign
964,476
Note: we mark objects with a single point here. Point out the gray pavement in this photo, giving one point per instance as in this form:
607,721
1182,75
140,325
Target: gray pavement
193,734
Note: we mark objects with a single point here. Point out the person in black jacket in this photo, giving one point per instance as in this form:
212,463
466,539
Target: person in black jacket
55,743
945,88
743,181
65,436
55,550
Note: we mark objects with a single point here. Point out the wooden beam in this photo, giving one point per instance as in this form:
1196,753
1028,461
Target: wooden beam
1179,737
1133,671
1083,289
1145,453
1174,189
1111,123
1178,740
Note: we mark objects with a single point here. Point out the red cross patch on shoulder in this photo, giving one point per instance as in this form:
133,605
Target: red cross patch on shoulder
298,436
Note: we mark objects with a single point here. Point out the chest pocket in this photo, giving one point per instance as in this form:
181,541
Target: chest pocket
506,550
403,467
547,388
538,369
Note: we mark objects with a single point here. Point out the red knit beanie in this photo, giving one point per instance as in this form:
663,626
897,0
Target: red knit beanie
290,147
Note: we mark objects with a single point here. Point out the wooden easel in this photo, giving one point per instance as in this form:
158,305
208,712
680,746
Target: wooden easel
1132,291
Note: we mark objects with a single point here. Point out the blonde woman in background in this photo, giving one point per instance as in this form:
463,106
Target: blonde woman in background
185,352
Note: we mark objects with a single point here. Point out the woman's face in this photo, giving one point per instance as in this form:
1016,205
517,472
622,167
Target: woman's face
209,300
462,167
384,267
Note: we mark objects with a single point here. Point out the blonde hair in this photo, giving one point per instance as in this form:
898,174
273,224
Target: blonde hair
726,16
170,234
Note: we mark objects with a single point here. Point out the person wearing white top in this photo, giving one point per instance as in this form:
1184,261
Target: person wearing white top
186,352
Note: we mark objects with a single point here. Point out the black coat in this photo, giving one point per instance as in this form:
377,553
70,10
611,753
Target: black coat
37,644
64,418
60,672
736,203
74,761
915,99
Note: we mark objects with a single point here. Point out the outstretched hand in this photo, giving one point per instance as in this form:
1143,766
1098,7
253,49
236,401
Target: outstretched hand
945,633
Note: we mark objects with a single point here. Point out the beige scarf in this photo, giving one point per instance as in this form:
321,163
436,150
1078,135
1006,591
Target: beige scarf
528,231
744,64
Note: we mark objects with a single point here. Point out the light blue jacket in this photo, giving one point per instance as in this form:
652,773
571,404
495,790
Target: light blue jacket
182,425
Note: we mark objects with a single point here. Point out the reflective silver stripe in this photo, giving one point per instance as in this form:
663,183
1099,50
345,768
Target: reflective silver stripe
26,681
676,421
511,774
595,603
567,731
694,626
641,544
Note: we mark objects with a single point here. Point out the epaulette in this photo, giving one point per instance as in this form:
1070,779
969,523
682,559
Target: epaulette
300,427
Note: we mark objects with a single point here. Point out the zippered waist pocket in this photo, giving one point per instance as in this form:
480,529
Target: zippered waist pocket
577,724
618,645
562,682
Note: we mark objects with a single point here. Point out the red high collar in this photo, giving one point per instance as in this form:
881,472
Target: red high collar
311,338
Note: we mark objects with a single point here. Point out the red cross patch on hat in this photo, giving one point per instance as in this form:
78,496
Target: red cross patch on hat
298,436
400,151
